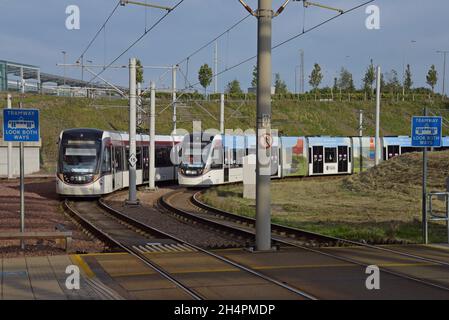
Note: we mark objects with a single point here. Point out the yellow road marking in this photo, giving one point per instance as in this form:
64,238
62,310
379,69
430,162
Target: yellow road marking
83,265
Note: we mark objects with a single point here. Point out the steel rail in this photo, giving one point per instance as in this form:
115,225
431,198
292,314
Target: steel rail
145,227
141,257
294,244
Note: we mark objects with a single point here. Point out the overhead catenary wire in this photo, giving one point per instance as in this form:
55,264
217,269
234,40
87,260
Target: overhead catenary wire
99,31
154,25
277,45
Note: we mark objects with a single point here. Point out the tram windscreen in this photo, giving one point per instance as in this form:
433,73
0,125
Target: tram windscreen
79,156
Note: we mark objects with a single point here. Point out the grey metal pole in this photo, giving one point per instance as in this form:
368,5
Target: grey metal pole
361,138
302,85
10,149
174,96
152,152
378,147
424,192
139,104
263,153
222,102
132,134
216,67
22,81
22,193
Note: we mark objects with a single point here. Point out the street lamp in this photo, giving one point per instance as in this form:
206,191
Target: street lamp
64,54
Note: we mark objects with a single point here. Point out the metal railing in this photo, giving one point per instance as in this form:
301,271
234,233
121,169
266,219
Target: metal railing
435,215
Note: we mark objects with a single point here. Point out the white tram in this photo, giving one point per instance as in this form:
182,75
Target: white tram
93,162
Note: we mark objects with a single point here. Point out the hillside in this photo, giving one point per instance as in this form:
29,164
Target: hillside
289,116
379,205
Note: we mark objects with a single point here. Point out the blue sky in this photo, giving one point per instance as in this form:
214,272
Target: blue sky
34,32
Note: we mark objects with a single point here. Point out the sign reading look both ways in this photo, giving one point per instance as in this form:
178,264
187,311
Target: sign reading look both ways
21,125
426,131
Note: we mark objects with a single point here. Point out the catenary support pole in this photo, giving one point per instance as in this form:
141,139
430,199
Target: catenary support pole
152,152
173,85
361,138
132,200
378,147
10,149
216,67
263,152
222,103
424,192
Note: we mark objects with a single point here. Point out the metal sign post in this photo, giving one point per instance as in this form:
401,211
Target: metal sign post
426,133
21,125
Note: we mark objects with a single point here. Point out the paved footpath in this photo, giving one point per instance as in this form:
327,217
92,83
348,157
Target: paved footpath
44,278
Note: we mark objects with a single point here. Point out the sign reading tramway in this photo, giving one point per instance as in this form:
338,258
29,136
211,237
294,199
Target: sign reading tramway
426,131
21,125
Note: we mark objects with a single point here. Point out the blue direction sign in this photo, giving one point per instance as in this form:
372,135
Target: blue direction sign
20,125
426,131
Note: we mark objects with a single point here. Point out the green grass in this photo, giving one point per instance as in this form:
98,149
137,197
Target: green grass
381,204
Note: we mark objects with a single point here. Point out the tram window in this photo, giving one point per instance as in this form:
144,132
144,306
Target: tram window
310,155
350,154
118,159
139,158
106,164
126,158
162,158
330,155
239,159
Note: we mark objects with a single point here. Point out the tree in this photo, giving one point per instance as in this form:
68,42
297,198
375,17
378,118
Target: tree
345,81
369,78
254,81
408,82
432,77
279,85
335,87
139,71
233,87
315,77
205,76
393,84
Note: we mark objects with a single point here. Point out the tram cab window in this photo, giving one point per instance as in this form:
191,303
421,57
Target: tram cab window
330,155
217,159
106,163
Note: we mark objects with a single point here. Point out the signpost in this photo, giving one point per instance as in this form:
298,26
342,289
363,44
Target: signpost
21,125
426,133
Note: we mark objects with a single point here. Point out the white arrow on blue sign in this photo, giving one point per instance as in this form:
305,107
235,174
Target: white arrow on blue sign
426,131
21,125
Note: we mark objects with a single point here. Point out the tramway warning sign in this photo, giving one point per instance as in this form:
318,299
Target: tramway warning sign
426,131
132,160
21,125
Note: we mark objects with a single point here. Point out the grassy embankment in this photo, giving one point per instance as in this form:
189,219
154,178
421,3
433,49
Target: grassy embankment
380,204
290,117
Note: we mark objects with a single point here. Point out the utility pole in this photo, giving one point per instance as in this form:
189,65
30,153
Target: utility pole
264,16
9,156
152,152
263,166
139,104
173,85
444,70
216,67
301,82
222,102
132,200
378,147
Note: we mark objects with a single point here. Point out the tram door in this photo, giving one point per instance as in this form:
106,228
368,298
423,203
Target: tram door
317,160
146,164
227,163
118,168
342,159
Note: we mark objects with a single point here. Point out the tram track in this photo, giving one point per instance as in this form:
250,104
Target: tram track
186,205
130,235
